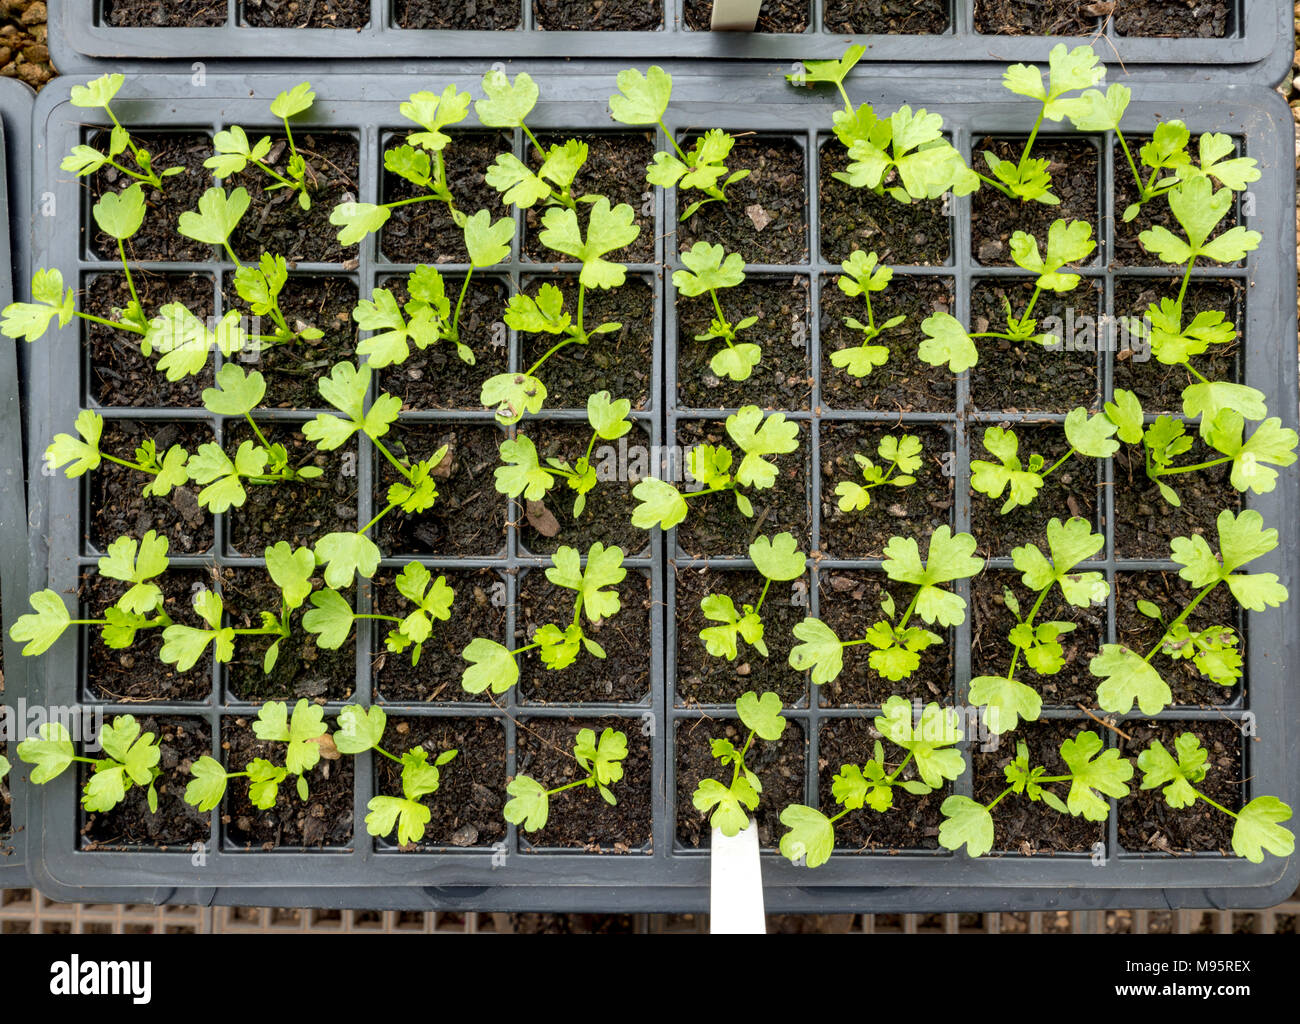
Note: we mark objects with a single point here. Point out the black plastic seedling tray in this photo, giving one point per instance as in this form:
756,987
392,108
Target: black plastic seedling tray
15,133
1256,35
667,874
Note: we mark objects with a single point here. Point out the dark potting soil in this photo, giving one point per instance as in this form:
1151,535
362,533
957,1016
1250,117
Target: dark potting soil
1147,824
306,13
301,668
1129,251
780,766
1160,387
911,234
325,819
773,15
913,821
177,824
424,232
619,362
607,517
479,15
624,673
136,674
886,17
704,679
117,506
158,237
293,372
601,16
173,14
1025,826
991,651
1171,594
1145,523
1203,19
300,512
912,511
119,374
849,603
1023,376
469,517
772,195
615,168
436,377
1073,490
579,817
479,609
1034,17
781,380
471,787
996,217
715,527
275,222
904,383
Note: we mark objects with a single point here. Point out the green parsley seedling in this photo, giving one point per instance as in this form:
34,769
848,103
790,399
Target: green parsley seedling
530,801
83,454
708,268
778,560
1256,827
131,760
361,729
494,666
664,505
901,455
1006,699
897,646
862,276
728,807
1128,677
85,160
642,101
523,474
234,152
1093,775
929,742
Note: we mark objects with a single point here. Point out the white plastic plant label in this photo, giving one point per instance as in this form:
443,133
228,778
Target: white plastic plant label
736,884
735,15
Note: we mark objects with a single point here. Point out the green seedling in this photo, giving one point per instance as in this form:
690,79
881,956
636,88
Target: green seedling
897,646
302,735
131,760
947,342
331,617
344,554
85,160
1257,827
1068,71
524,476
642,101
1128,677
928,738
234,152
1090,436
140,608
530,801
429,309
862,276
1166,156
494,666
608,229
709,268
83,454
664,505
361,729
728,807
778,560
1093,775
420,160
1006,699
901,455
